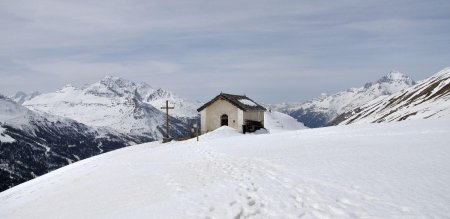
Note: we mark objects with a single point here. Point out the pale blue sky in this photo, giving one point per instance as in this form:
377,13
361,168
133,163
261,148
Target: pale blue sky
273,51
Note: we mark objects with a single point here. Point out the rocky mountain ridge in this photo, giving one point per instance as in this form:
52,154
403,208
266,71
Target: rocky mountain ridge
428,99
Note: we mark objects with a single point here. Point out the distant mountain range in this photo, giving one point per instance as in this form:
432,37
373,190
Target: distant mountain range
428,99
129,108
42,132
322,110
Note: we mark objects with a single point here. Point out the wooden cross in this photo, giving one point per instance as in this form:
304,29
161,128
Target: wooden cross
167,118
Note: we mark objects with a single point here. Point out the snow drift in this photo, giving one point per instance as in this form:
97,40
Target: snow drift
389,170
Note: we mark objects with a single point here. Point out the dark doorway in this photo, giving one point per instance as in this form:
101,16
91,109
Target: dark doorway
224,120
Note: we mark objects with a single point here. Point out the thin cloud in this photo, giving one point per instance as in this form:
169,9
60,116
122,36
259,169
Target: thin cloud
281,50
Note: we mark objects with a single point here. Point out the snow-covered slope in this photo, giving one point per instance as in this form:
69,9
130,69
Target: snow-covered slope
430,98
32,144
20,96
275,122
390,170
322,110
117,103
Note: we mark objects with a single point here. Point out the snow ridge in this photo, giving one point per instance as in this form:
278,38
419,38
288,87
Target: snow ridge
428,99
277,122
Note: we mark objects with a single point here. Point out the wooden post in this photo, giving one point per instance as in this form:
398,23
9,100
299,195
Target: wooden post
167,119
198,127
195,129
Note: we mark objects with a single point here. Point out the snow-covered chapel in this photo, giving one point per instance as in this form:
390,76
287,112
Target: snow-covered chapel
236,111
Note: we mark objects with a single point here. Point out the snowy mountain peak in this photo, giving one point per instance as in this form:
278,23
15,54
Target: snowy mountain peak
112,87
66,88
396,77
113,81
21,96
160,94
116,85
143,85
129,108
429,98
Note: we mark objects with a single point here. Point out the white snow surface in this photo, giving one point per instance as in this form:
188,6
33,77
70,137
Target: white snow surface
222,132
275,122
390,170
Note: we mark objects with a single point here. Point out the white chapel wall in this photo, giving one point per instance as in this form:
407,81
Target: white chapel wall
216,110
203,120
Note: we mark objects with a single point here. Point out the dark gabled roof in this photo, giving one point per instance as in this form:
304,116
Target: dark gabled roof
235,100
